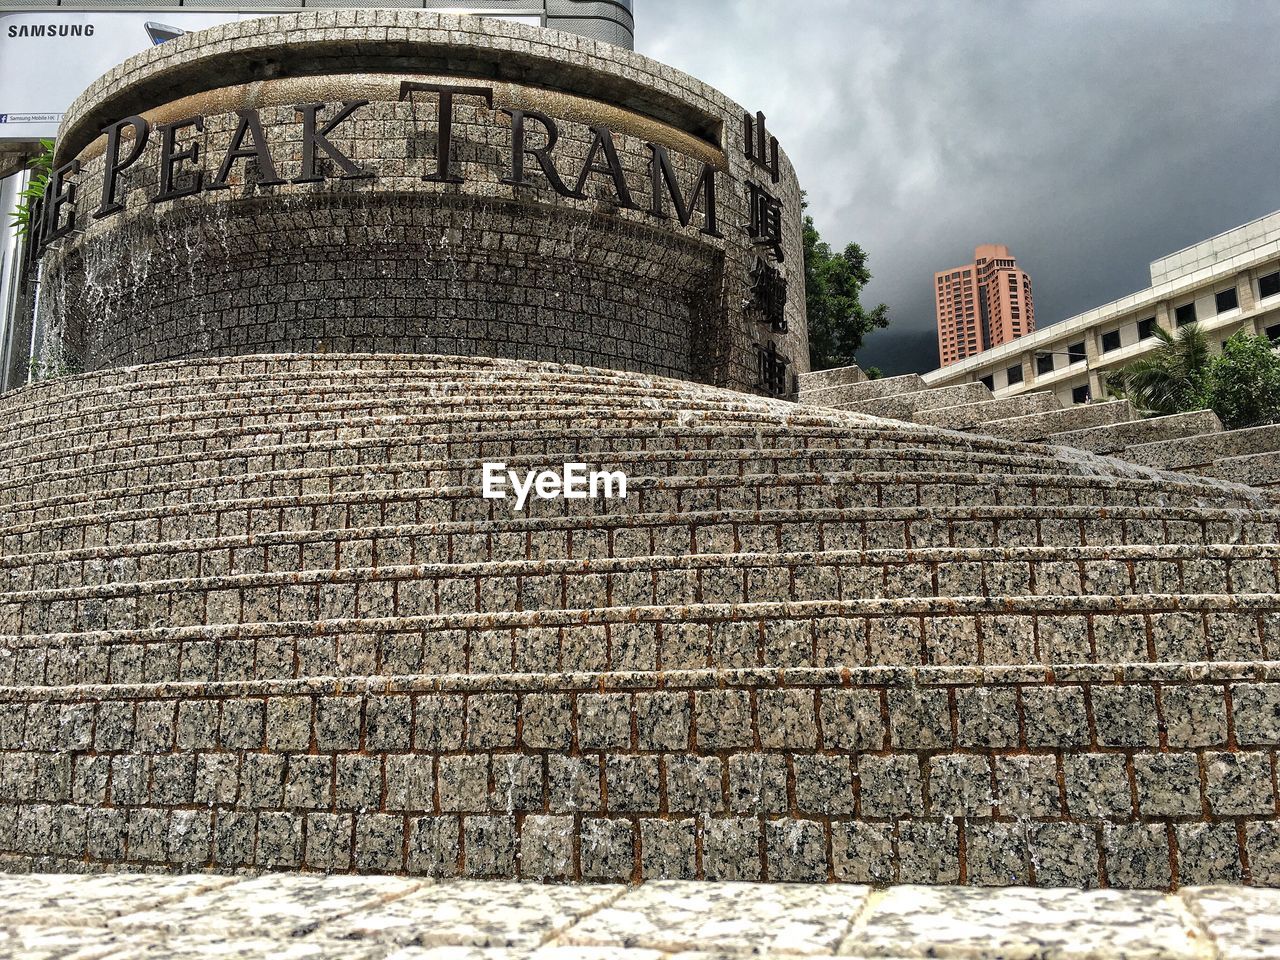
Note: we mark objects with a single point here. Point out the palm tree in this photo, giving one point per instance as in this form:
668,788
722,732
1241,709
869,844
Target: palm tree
1169,379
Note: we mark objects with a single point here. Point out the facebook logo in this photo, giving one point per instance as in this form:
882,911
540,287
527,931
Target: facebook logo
4,118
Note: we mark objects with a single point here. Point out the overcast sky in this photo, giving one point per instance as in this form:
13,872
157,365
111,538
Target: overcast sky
1091,137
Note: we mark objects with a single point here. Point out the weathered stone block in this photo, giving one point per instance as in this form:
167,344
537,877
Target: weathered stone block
890,787
1097,785
731,848
546,847
1239,784
608,849
694,784
1137,855
928,851
862,852
668,849
757,783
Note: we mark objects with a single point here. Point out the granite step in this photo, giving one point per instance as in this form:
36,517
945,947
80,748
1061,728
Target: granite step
512,407
1203,449
1116,437
210,404
903,405
303,592
975,416
379,440
1038,426
833,377
284,364
858,773
180,917
834,574
1051,632
131,548
749,492
1255,469
216,478
431,437
861,390
464,416
180,375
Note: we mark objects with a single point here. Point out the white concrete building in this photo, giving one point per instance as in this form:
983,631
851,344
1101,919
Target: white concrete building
1226,283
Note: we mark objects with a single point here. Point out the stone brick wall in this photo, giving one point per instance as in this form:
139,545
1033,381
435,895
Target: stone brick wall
1128,778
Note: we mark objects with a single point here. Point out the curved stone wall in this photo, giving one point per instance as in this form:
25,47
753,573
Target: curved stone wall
626,243
255,615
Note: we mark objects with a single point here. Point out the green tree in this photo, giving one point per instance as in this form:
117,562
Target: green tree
41,165
838,321
1242,386
1169,379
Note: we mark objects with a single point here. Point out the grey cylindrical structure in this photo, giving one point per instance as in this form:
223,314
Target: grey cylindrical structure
651,236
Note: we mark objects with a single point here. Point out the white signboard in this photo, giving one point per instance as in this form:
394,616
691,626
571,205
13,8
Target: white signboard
47,59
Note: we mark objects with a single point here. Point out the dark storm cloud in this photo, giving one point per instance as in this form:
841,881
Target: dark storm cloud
1092,137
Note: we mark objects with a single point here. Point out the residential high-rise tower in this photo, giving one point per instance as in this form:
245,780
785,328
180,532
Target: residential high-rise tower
982,304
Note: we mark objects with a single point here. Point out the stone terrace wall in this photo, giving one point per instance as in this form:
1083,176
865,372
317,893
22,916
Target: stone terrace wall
255,615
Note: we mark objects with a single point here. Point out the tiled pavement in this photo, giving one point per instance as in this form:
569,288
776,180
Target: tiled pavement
112,917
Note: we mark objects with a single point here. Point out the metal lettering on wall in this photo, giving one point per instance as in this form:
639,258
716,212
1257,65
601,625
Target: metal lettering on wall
183,162
764,226
761,148
769,290
773,370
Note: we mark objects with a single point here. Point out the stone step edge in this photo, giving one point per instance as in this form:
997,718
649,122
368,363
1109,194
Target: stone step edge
1048,416
835,482
275,363
875,556
268,403
400,572
1142,452
96,498
712,518
1225,466
1071,438
204,405
1022,453
863,389
205,389
591,458
469,428
1047,675
655,430
1254,604
268,365
476,408
938,416
901,406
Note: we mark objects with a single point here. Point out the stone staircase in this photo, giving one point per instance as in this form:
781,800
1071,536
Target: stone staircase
1193,443
255,614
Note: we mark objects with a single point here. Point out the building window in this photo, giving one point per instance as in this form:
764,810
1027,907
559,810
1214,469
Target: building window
1269,285
1044,363
1147,328
1014,374
1111,341
1080,394
989,381
1075,353
1226,300
1273,333
1185,314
